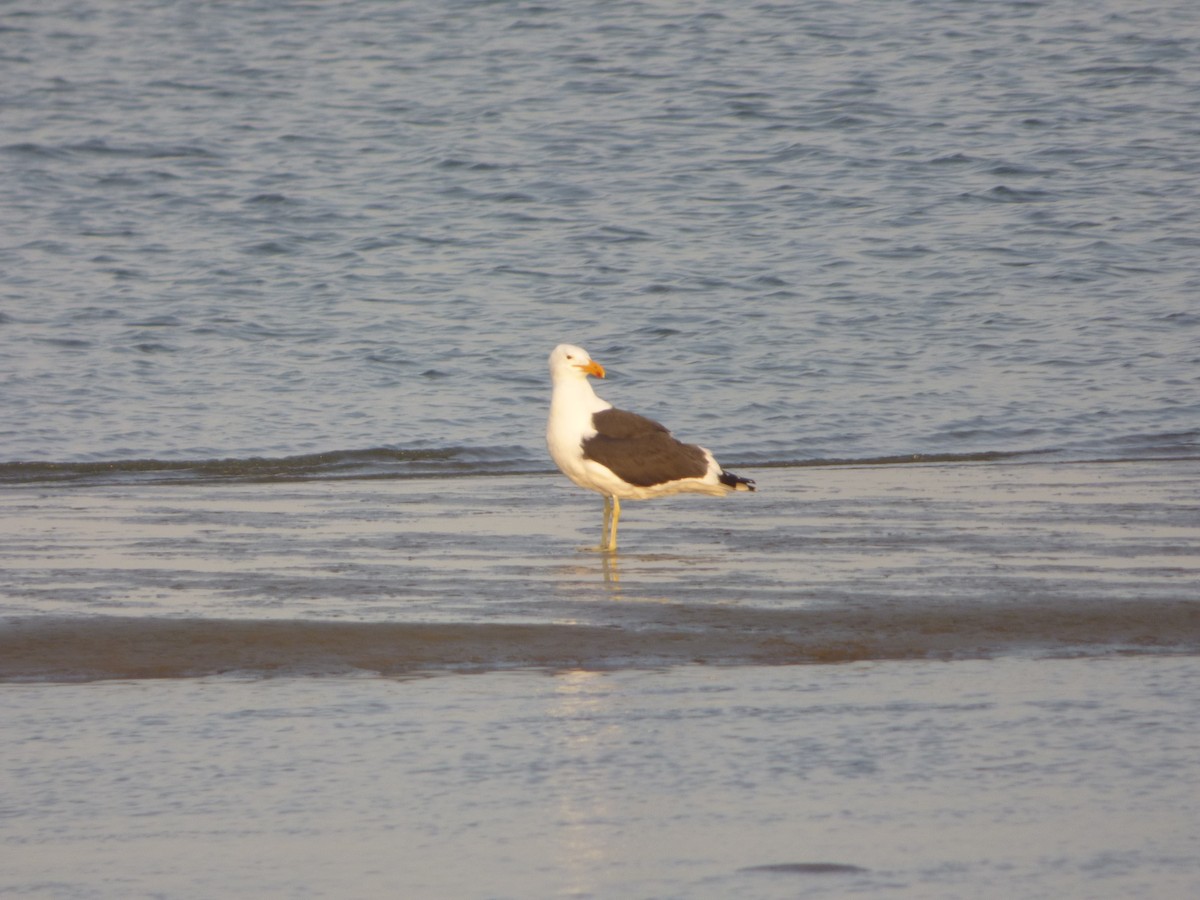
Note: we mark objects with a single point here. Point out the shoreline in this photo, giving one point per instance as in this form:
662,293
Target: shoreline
936,561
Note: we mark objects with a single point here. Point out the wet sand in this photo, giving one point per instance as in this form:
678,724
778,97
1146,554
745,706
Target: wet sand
1013,711
823,565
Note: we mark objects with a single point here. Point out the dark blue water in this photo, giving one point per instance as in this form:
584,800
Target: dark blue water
792,232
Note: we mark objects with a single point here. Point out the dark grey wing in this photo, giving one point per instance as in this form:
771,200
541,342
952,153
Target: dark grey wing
619,424
640,450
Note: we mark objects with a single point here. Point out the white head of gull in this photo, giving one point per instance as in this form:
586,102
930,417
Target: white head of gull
621,455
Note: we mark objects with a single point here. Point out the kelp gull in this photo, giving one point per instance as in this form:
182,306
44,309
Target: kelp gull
619,454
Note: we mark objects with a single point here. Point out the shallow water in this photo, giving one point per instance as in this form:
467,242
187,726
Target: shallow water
909,680
993,779
395,576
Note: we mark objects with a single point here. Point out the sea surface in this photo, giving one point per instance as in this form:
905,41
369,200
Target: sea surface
292,602
795,231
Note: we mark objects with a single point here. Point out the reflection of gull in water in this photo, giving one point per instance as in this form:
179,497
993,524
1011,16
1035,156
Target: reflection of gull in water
612,572
620,454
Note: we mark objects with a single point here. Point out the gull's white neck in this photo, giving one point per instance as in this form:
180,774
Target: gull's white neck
573,397
572,404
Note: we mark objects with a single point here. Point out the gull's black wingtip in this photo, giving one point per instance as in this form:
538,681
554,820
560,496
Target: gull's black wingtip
737,482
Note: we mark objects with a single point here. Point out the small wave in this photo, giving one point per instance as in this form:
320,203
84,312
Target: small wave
379,462
898,460
459,462
34,151
807,868
98,146
96,648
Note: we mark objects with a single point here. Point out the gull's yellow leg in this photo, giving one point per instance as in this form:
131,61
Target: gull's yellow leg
608,511
612,512
616,516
